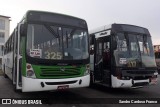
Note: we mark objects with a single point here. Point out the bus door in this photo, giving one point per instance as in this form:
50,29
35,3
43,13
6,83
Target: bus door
103,60
98,60
17,80
14,72
106,60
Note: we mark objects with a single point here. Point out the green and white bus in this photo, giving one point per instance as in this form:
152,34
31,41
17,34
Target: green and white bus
48,51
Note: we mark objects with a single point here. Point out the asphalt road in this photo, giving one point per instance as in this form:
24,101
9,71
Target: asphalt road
91,94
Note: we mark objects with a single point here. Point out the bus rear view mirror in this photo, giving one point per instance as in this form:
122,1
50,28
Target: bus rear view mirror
92,39
22,29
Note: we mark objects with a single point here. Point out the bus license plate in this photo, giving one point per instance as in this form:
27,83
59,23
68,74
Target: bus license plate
63,87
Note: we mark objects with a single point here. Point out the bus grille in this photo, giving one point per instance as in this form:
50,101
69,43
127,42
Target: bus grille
140,72
60,72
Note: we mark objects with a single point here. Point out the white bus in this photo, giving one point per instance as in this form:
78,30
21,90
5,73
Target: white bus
122,56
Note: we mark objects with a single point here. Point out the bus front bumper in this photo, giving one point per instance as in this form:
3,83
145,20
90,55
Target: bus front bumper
117,83
31,85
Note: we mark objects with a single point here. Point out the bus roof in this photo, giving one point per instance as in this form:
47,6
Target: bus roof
55,18
47,12
108,27
102,28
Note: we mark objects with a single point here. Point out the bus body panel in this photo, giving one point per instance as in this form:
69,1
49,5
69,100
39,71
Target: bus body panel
92,62
158,64
117,83
9,64
157,56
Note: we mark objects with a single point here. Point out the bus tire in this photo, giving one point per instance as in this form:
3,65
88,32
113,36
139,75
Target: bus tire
5,76
16,90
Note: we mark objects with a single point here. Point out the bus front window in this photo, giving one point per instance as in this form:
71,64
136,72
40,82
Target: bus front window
57,43
157,55
134,50
75,44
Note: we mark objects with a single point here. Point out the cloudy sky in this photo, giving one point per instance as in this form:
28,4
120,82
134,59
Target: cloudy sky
145,13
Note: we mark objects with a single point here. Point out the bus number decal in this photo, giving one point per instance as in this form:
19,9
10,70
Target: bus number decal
53,55
47,55
132,64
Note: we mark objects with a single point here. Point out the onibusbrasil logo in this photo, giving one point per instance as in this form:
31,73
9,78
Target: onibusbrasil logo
21,101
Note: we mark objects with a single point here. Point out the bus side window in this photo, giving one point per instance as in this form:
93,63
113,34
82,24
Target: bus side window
16,43
20,46
99,51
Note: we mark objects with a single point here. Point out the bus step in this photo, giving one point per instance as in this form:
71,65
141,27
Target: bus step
20,84
104,84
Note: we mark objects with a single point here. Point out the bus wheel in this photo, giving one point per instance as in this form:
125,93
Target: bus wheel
16,90
5,76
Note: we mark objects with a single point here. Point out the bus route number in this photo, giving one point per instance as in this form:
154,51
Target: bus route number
132,64
53,55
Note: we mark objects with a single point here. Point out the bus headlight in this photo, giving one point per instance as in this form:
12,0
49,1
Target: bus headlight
87,70
29,71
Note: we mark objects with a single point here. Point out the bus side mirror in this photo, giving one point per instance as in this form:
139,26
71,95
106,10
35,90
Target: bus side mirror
92,38
22,30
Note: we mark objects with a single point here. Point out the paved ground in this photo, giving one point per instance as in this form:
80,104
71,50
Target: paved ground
93,94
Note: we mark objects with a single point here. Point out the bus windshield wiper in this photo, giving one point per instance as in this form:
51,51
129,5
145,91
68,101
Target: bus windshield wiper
52,31
72,32
145,44
128,44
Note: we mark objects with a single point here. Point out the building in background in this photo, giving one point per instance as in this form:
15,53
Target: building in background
4,33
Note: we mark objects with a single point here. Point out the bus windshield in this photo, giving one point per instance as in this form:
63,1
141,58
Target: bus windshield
157,55
56,42
134,50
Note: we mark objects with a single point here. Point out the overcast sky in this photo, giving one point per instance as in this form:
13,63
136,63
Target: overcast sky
145,13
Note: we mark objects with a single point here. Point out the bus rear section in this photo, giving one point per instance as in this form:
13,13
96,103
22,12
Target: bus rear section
122,56
157,56
51,53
